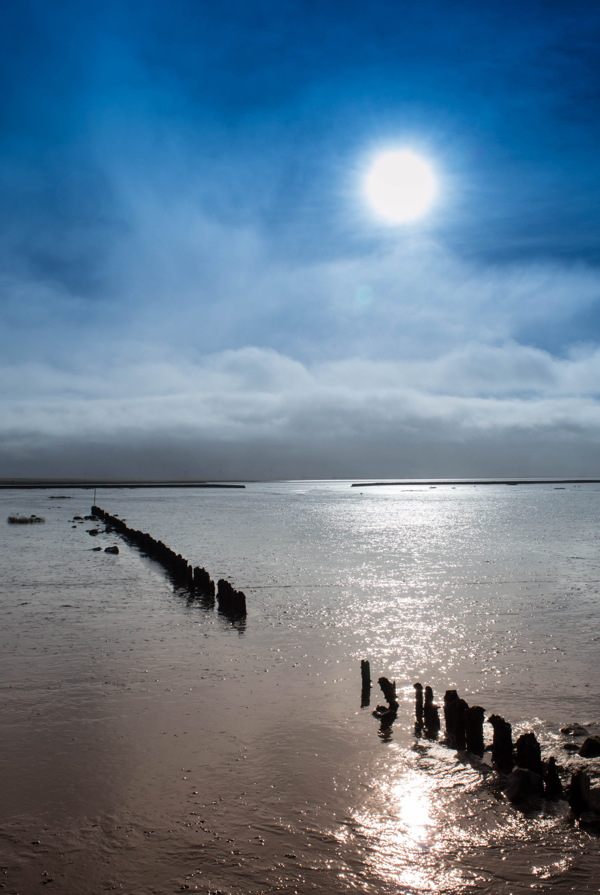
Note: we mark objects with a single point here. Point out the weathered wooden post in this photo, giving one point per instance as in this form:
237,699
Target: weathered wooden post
450,700
203,582
419,704
230,602
502,745
386,716
365,674
431,714
579,793
474,716
389,691
460,730
552,785
529,754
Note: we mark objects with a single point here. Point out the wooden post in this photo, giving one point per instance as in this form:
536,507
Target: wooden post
474,729
450,700
502,745
529,754
460,731
365,674
389,691
431,714
418,704
552,786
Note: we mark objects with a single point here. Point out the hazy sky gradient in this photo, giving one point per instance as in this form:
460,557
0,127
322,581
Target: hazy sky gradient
191,283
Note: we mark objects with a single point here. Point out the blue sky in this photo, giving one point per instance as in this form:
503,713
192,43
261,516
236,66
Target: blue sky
191,283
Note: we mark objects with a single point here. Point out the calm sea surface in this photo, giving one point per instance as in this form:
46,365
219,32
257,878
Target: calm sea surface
151,746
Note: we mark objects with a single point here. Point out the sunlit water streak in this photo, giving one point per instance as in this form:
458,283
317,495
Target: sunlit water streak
149,745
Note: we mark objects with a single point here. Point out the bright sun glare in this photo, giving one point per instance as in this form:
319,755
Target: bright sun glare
400,186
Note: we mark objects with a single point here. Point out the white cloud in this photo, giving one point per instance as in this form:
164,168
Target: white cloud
256,401
204,341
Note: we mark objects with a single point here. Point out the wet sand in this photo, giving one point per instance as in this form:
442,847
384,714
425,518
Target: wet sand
150,746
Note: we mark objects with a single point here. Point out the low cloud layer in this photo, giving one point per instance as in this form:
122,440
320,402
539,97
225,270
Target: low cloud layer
480,410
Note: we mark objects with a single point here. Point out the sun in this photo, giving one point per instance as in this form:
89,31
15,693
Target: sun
400,186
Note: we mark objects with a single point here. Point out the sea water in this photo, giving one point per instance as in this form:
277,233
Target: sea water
150,745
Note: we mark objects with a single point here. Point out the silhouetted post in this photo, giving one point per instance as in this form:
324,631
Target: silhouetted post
389,691
365,674
579,793
431,713
552,784
474,716
529,754
502,746
386,719
203,582
419,704
460,730
386,716
450,699
230,602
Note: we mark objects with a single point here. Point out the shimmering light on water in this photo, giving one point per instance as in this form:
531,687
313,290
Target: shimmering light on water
156,746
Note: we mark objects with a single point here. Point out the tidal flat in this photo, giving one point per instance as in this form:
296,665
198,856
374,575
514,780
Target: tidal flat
151,745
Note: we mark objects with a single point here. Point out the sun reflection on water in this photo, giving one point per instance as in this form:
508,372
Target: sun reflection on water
403,826
431,824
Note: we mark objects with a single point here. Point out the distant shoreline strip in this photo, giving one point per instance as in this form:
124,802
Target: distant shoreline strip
435,482
92,485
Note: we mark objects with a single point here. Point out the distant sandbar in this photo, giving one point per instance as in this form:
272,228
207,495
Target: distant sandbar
63,483
434,482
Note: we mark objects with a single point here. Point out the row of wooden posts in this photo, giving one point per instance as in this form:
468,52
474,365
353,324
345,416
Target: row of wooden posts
196,580
520,764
